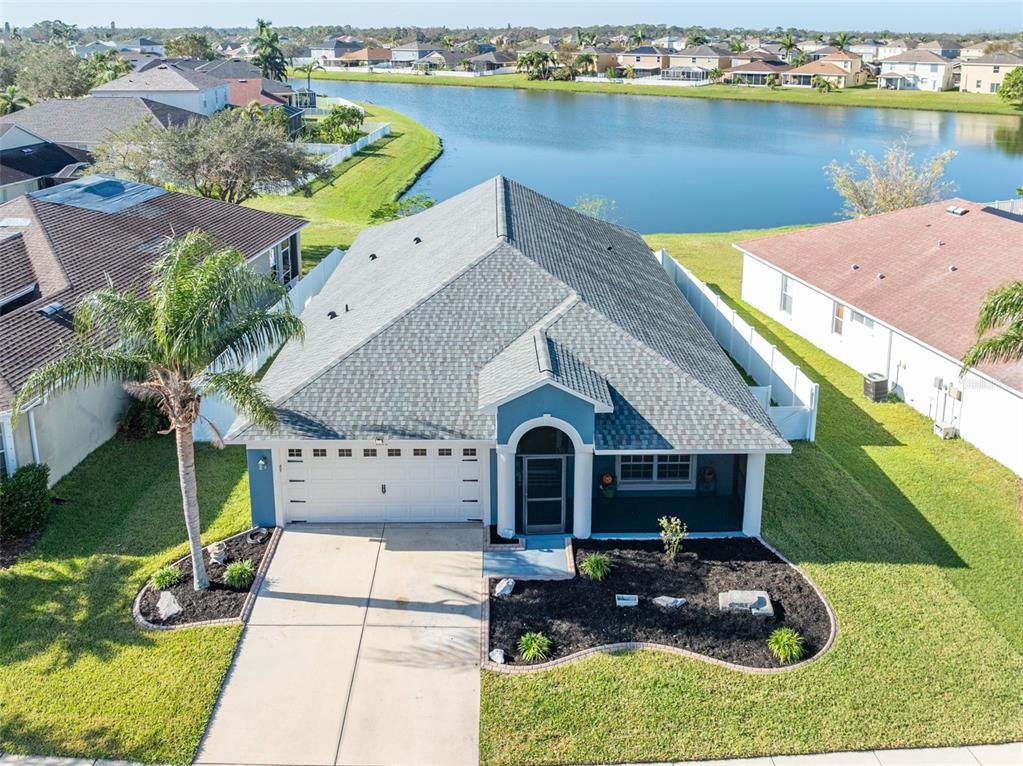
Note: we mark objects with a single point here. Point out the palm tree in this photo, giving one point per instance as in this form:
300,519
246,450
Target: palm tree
841,40
107,66
715,74
586,62
695,38
525,63
822,84
447,41
736,46
1002,311
787,45
637,37
204,306
307,70
629,71
11,100
268,54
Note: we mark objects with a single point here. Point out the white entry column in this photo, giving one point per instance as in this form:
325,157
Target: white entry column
582,505
505,490
753,504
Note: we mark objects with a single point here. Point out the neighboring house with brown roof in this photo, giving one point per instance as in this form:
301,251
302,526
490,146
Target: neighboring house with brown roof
493,61
61,243
366,57
986,73
83,123
646,60
29,162
697,63
917,69
170,84
842,70
441,60
894,47
899,294
948,49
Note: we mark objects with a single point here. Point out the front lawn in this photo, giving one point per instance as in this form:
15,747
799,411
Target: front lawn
79,676
341,206
918,544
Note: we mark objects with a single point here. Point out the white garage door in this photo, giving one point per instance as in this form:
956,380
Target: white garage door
396,482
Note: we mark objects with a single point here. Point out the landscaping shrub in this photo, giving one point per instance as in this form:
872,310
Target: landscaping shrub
24,501
596,566
240,574
142,419
534,647
165,577
786,644
673,532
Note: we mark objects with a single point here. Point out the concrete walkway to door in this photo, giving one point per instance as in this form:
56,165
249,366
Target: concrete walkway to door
362,649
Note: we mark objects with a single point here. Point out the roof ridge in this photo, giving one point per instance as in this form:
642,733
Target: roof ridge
501,203
375,334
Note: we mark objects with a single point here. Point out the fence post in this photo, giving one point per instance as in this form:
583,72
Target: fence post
795,384
770,375
731,338
749,351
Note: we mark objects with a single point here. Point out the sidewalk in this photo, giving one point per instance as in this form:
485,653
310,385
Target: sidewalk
976,755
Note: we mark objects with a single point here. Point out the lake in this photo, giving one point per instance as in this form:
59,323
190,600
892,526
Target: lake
684,164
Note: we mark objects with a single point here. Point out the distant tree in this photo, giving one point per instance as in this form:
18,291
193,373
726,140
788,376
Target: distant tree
1011,89
595,206
629,72
402,208
51,72
736,46
787,45
341,125
694,38
891,183
447,41
841,40
106,66
773,81
586,62
998,45
999,327
822,84
268,56
799,59
194,45
610,73
637,37
307,70
63,34
128,153
11,100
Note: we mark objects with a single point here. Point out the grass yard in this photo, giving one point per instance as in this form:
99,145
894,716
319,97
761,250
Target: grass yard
341,206
947,101
918,543
79,676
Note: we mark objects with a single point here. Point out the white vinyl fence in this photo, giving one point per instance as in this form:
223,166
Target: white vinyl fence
333,155
216,409
794,396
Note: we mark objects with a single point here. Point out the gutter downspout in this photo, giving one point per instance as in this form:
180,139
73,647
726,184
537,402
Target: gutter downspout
32,435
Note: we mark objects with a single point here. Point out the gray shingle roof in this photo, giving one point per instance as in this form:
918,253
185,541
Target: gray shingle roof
426,332
166,77
89,121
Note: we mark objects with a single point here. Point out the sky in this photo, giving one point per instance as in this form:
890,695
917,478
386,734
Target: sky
954,16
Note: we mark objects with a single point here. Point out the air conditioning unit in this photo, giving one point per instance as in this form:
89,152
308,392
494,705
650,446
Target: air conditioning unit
945,430
875,386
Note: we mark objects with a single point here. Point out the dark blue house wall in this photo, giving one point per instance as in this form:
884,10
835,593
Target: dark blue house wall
546,400
261,488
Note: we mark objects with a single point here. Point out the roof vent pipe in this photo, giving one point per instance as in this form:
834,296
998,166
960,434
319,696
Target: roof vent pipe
953,267
331,315
856,267
416,240
372,256
880,275
346,308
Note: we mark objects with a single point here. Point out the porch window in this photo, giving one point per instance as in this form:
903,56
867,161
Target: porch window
837,318
655,470
867,322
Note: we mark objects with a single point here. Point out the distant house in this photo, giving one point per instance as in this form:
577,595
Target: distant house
441,60
917,69
143,45
841,68
867,50
669,43
697,63
83,50
825,50
83,123
757,72
246,84
646,60
61,243
366,57
894,48
29,162
604,56
173,85
986,73
141,61
899,294
749,56
489,62
409,53
971,51
948,49
330,50
232,48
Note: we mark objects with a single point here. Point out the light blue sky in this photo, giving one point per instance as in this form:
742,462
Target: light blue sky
961,16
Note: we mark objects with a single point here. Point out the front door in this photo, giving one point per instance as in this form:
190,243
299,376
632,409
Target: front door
543,489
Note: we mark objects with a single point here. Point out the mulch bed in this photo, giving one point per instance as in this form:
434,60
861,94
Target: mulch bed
11,550
496,539
580,614
219,601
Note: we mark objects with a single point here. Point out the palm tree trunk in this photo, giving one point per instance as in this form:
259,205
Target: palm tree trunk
190,502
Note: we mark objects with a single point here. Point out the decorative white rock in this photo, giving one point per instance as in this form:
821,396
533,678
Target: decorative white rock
670,602
504,587
756,602
497,655
626,599
218,553
168,606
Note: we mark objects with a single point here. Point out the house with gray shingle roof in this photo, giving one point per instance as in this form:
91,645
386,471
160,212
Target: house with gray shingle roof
502,358
170,84
60,243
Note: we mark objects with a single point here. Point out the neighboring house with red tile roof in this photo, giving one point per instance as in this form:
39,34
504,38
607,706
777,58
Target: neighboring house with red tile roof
61,243
899,294
807,74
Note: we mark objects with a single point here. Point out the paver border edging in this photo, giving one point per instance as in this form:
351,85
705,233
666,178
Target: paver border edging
250,598
487,664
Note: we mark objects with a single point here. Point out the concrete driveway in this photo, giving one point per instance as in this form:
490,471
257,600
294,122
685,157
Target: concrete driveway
362,649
